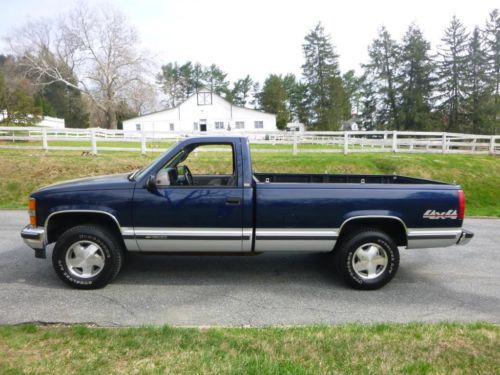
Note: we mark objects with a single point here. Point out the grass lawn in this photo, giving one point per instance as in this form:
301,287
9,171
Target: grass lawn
347,349
22,171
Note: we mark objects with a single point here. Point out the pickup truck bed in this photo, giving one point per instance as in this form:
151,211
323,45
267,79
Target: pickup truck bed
341,178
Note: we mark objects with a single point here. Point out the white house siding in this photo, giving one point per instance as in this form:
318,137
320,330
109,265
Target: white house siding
182,119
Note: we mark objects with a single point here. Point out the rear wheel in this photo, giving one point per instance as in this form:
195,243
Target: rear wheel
87,257
367,259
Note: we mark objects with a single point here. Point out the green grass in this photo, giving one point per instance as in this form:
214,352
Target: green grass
23,171
346,349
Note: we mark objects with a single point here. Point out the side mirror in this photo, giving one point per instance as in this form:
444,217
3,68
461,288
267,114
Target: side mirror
151,183
163,178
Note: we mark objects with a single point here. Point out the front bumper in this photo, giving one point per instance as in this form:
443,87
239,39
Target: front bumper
34,237
465,237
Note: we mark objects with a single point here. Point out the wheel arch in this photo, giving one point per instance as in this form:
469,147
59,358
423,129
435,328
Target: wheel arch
60,221
391,225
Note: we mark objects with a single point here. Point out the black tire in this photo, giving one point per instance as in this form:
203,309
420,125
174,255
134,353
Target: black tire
109,251
346,256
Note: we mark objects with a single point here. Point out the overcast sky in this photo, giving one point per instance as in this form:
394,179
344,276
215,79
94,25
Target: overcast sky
259,37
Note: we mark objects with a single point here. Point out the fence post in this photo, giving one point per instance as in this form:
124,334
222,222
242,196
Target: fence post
143,142
93,141
492,145
394,141
443,141
346,143
294,149
44,140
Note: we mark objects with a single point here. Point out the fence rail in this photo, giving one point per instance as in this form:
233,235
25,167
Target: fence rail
94,140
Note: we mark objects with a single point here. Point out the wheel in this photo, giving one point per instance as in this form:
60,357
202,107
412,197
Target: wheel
367,259
87,257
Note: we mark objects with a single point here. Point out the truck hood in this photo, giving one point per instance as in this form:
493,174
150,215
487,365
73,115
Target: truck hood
114,182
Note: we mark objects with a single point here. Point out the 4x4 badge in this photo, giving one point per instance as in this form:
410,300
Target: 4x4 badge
433,214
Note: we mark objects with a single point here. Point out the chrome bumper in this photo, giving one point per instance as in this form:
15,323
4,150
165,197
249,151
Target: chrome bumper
34,237
465,237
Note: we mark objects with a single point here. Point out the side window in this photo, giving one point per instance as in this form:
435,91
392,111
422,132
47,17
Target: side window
211,160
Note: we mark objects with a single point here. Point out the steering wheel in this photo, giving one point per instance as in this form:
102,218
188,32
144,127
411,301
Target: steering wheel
188,177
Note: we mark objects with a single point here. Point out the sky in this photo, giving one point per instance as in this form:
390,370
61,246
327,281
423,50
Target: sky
260,37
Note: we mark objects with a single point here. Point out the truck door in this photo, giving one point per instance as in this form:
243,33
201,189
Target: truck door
199,208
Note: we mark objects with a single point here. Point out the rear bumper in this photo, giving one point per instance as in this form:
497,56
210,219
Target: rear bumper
34,237
465,237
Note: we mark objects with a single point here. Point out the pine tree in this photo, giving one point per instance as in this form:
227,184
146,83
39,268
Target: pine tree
383,71
172,84
296,93
241,92
273,99
452,68
415,82
368,116
353,89
325,96
476,84
216,80
492,41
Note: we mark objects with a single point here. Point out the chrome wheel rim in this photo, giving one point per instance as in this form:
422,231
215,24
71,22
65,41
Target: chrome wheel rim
85,259
369,261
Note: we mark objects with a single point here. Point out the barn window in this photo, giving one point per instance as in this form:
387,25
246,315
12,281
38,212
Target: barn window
204,98
259,124
239,124
138,127
195,126
219,125
172,127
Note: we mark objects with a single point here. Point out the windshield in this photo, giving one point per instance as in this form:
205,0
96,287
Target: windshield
140,173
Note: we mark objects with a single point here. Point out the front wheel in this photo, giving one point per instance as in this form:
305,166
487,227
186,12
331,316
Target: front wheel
87,257
367,259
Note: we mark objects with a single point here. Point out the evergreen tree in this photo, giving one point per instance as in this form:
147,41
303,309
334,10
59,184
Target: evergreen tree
383,69
216,80
241,92
296,94
415,82
452,68
172,84
476,84
273,99
368,117
325,96
353,89
492,41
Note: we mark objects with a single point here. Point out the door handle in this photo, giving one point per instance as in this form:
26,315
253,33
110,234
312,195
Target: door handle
233,200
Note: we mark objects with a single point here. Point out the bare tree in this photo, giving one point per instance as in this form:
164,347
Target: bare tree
90,49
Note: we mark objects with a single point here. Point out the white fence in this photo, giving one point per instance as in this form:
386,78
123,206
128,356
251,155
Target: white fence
94,140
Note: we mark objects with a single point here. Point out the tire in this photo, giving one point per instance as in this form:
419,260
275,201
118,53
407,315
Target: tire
87,257
367,259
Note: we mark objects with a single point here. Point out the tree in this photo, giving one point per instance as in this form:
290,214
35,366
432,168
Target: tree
273,99
325,95
241,92
476,83
451,72
492,41
296,92
216,81
383,69
368,115
172,84
353,89
415,81
96,46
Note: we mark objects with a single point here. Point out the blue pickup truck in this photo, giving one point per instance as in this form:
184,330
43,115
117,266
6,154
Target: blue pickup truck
223,207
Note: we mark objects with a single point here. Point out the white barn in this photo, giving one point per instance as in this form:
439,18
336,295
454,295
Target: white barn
204,112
